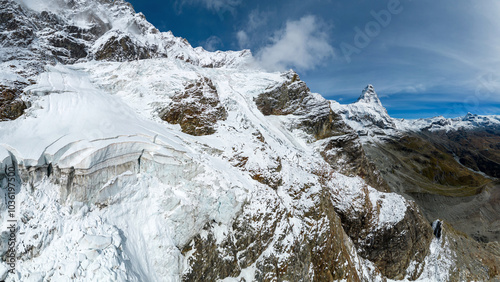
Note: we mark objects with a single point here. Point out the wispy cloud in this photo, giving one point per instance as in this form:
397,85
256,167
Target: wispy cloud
255,29
213,43
257,19
301,44
218,6
243,39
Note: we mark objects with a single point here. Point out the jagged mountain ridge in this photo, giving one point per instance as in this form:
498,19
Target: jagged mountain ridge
262,180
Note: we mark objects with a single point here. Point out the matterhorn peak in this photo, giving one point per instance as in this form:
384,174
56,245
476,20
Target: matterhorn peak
369,113
368,95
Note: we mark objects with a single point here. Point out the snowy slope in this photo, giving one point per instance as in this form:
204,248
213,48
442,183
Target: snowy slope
36,33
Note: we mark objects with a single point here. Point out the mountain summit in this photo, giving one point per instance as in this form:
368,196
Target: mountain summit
367,115
369,96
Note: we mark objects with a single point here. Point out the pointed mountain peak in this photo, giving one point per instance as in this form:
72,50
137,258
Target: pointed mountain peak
368,95
469,116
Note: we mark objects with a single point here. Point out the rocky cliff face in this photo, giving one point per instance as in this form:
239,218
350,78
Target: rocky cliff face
135,157
197,109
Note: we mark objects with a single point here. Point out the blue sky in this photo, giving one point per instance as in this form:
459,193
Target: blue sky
425,58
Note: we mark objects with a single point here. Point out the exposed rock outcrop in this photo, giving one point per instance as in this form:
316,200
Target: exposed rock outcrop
340,146
197,109
392,247
271,240
472,260
447,166
294,97
292,197
120,48
345,154
11,106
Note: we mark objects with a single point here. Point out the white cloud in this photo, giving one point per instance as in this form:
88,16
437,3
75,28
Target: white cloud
213,43
39,6
412,89
219,6
301,44
254,29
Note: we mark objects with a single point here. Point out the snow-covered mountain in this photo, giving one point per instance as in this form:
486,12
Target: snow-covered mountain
370,118
128,155
367,115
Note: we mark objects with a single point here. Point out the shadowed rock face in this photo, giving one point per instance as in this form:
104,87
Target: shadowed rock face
197,109
285,99
393,249
319,252
121,49
345,153
72,49
294,97
15,27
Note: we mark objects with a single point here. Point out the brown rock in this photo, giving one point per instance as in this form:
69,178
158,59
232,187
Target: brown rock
294,97
11,106
121,49
265,238
197,109
346,154
390,248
